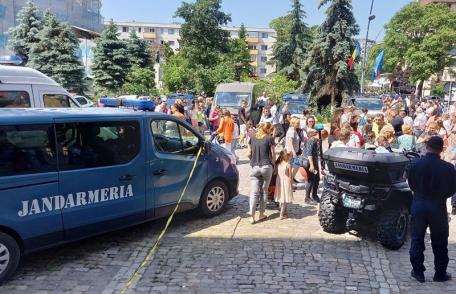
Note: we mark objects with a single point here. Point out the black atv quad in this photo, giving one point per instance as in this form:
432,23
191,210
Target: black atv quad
364,188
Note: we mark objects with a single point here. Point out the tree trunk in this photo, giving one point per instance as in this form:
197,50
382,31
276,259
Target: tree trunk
333,95
419,90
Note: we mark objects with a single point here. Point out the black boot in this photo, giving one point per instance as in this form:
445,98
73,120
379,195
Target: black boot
442,277
418,276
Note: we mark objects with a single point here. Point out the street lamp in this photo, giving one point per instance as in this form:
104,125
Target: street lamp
371,18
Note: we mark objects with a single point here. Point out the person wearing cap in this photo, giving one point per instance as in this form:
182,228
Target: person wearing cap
432,181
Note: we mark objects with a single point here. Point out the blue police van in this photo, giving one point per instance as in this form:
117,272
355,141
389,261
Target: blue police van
66,174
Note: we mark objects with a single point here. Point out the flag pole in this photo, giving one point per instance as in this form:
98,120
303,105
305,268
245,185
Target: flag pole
371,18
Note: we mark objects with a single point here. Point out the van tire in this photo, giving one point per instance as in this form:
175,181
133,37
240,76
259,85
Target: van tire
8,246
214,199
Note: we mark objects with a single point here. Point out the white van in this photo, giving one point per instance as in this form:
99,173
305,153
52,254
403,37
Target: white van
24,87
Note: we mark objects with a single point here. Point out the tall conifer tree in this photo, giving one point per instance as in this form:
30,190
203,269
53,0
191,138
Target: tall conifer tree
24,34
55,54
111,61
328,78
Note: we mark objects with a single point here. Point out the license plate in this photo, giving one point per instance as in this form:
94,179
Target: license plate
353,203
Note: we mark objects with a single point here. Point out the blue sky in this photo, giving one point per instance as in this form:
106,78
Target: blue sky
253,13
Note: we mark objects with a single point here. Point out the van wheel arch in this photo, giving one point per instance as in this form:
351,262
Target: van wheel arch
14,235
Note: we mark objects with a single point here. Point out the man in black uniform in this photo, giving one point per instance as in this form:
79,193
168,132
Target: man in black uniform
432,181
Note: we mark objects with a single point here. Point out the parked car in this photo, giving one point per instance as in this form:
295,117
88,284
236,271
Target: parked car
84,101
71,174
374,105
297,103
24,87
229,96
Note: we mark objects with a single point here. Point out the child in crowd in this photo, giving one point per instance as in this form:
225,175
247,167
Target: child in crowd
284,183
234,144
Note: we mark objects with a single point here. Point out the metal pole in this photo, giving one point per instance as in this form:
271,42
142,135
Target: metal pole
365,48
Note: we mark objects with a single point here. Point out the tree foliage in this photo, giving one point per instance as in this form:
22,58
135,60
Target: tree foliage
275,85
140,81
289,51
328,79
202,38
177,74
24,34
138,51
419,38
111,61
238,49
54,54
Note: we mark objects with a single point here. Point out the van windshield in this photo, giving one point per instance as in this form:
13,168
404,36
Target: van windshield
232,99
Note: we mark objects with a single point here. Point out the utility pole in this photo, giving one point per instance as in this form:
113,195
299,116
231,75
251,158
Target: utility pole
371,18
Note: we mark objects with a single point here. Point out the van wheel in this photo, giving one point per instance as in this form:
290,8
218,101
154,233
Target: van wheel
214,199
10,256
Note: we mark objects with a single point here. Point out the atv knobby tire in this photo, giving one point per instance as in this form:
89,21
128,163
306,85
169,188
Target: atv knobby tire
392,227
332,218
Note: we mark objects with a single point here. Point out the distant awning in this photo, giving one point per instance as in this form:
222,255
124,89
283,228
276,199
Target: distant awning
86,31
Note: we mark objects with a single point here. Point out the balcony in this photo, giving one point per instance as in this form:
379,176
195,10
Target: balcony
254,64
253,40
253,52
149,36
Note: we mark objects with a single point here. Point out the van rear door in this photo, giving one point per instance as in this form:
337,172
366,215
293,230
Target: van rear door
16,96
102,174
29,183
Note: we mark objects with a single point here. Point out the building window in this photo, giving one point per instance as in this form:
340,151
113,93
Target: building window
96,144
264,47
125,29
139,30
252,47
264,35
252,34
171,43
253,58
263,71
264,58
171,32
151,30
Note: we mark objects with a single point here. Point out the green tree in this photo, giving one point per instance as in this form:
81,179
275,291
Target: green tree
275,85
111,62
419,38
24,34
328,79
239,51
138,51
140,81
290,51
207,79
202,38
177,74
55,54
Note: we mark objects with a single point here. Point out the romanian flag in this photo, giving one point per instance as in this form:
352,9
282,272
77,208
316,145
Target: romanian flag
356,56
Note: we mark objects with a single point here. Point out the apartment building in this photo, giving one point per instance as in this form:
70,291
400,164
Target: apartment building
260,40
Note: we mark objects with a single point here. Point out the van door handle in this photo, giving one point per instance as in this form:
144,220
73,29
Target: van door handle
159,172
126,178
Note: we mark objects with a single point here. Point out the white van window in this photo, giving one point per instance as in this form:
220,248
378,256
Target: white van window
27,149
57,100
231,99
96,144
81,100
14,99
172,137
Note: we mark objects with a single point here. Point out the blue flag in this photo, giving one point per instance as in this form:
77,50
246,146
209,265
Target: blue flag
378,66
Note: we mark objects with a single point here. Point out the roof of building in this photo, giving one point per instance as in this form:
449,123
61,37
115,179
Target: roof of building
23,75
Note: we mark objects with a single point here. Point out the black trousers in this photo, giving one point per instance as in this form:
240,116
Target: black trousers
312,187
433,214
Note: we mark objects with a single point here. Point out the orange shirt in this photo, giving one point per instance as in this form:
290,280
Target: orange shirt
226,128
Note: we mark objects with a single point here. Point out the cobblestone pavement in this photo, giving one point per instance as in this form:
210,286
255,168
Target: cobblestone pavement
226,254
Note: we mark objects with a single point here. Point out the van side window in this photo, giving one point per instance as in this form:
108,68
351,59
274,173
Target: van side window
97,144
27,149
172,137
12,99
56,100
